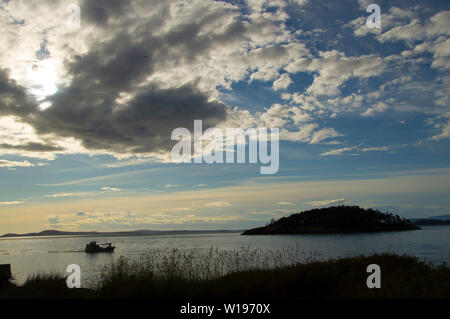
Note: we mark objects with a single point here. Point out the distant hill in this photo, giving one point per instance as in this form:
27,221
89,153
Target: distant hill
431,222
337,219
56,233
440,217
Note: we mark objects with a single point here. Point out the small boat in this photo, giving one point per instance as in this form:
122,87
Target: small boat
93,248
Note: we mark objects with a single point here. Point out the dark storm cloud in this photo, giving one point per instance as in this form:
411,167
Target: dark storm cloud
144,125
113,66
88,109
113,70
33,147
13,98
100,11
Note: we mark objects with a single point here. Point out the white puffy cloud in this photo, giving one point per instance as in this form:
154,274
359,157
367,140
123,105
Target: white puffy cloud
404,25
378,108
295,124
324,134
12,164
283,82
394,17
334,68
410,32
444,132
437,25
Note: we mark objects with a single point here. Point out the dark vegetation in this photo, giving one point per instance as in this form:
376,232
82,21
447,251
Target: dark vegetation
338,219
5,276
228,276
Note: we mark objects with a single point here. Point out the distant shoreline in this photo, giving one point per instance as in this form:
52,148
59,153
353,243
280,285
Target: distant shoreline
63,234
432,222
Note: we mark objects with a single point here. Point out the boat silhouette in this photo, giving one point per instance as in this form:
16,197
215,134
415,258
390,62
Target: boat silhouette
93,248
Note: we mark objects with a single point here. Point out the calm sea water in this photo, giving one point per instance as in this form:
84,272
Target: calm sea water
36,255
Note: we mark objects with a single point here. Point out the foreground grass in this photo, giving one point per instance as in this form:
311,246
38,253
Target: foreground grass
180,276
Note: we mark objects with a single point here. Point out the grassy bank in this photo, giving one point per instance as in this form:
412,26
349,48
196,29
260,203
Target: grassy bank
178,275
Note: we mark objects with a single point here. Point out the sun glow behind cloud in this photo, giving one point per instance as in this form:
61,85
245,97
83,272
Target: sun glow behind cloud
42,79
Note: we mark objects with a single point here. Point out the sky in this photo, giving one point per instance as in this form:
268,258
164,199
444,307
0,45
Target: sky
90,92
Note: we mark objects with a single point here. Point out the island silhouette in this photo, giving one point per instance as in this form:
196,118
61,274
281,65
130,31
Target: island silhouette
336,219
